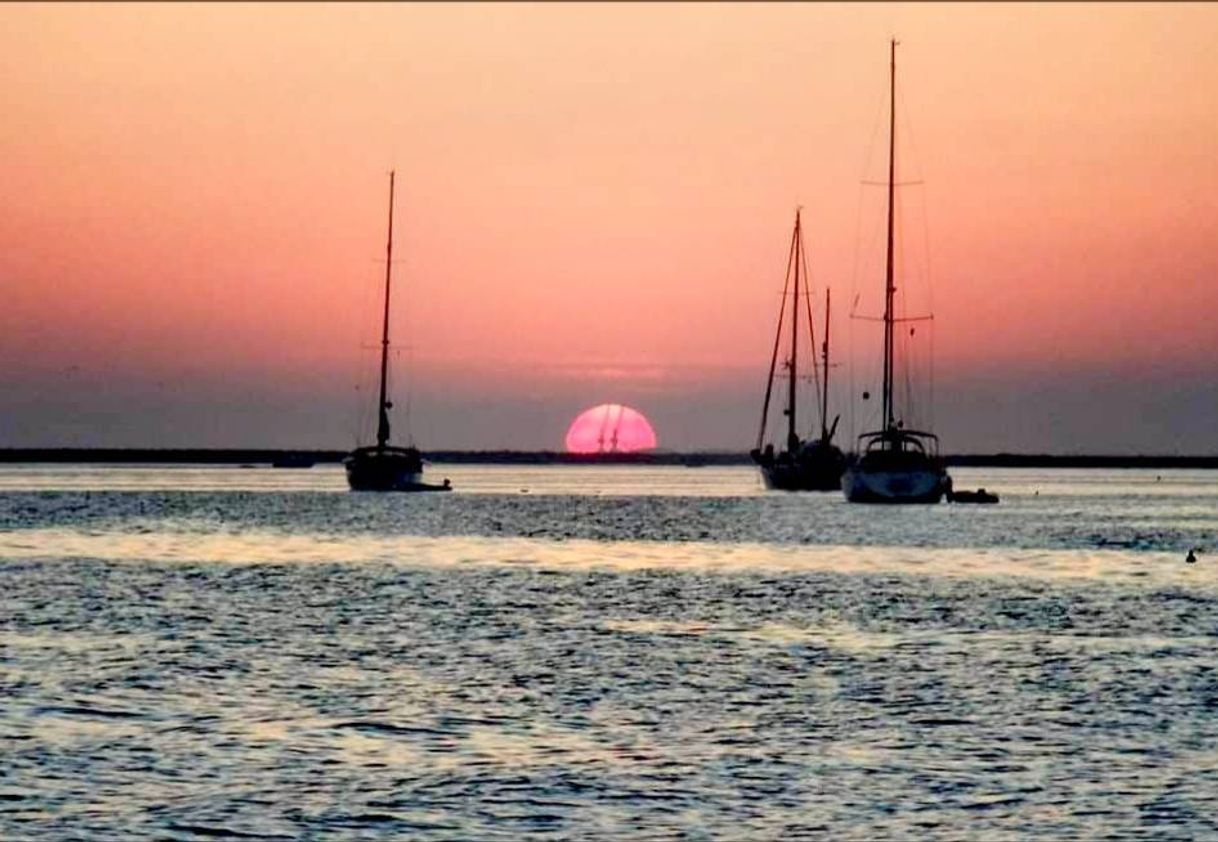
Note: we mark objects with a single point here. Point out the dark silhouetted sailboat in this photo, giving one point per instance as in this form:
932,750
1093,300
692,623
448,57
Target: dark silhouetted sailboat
383,467
894,464
814,464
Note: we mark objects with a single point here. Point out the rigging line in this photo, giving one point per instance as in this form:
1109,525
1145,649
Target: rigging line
907,134
361,411
803,254
850,371
355,419
855,271
867,262
363,377
825,432
403,348
407,378
862,194
407,390
868,156
915,157
870,266
931,411
407,393
869,153
769,383
930,296
906,348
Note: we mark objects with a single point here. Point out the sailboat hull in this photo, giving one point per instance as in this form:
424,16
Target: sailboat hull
815,468
863,484
388,469
784,478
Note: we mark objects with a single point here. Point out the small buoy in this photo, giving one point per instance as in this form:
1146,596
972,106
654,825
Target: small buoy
1191,558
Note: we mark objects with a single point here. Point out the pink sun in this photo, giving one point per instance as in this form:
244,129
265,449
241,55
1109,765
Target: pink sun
610,428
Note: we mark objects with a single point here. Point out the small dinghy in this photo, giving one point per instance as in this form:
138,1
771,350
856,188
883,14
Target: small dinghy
978,496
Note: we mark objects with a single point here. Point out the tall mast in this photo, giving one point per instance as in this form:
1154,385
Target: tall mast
782,311
792,438
889,289
382,427
824,395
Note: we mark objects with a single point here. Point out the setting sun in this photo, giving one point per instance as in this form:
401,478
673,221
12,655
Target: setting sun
610,428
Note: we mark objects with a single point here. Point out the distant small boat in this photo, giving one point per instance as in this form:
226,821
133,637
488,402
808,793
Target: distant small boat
382,467
814,464
978,496
894,464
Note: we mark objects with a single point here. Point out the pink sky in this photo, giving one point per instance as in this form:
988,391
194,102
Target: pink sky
594,204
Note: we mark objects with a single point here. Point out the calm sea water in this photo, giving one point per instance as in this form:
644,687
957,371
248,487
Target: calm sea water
604,653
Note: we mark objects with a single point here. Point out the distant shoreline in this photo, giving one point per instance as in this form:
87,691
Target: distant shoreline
303,458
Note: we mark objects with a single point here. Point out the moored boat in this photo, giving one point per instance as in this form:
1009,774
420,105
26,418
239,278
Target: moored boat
812,464
383,467
978,496
894,464
388,469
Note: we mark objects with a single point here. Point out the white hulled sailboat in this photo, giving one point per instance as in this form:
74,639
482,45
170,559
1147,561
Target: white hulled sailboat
894,464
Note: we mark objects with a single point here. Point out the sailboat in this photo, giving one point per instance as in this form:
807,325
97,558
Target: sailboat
814,464
894,464
383,467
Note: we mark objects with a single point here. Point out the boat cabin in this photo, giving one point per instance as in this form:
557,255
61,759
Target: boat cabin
897,447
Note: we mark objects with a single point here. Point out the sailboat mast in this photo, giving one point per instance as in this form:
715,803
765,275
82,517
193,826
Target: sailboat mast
382,427
889,289
782,311
792,438
824,394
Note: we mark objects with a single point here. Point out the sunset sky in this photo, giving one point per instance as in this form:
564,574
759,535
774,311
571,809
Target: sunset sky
594,206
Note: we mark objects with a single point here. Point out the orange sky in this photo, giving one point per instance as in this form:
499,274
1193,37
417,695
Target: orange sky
594,200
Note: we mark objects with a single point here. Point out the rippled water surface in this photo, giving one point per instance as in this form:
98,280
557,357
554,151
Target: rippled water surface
604,653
